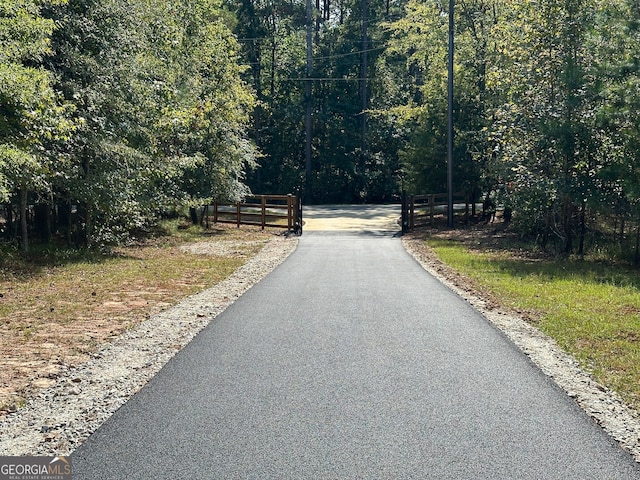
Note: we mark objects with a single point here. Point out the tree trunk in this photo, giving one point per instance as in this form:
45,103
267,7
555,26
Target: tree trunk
507,214
42,213
64,217
318,22
24,225
82,230
274,49
637,257
88,227
547,230
193,213
583,228
567,226
9,226
474,195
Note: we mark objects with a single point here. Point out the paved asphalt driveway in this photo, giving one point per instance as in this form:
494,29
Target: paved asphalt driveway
349,361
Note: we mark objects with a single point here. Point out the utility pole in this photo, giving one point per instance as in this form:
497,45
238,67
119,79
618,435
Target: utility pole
308,121
364,67
450,123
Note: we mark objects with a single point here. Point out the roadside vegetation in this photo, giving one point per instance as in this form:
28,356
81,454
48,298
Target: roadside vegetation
115,115
59,305
590,306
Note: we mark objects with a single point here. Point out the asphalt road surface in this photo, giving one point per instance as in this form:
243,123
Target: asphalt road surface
349,361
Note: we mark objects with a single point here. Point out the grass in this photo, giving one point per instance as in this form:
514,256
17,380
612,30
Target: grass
60,305
591,308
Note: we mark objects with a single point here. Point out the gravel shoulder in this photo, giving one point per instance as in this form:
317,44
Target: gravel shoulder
62,416
602,405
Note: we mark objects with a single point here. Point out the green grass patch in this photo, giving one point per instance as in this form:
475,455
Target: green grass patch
61,286
58,286
57,304
591,308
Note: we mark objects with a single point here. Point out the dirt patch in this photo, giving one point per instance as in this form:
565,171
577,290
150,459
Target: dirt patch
30,364
58,319
352,218
79,399
221,249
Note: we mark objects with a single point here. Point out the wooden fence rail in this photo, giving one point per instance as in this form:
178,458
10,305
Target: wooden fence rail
279,211
420,209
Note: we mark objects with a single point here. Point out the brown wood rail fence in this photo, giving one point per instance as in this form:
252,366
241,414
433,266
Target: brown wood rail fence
421,209
279,211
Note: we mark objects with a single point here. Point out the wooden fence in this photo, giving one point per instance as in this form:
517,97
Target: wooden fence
280,211
421,209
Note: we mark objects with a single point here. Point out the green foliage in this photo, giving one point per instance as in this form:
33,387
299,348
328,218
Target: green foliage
349,163
24,34
29,111
555,141
161,110
126,110
123,109
32,115
545,109
417,57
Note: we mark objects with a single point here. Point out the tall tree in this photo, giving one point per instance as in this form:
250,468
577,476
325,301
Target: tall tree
619,69
417,57
273,39
161,108
555,142
350,162
30,111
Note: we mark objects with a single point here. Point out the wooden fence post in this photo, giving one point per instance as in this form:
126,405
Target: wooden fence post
263,206
412,222
432,207
289,212
239,214
466,207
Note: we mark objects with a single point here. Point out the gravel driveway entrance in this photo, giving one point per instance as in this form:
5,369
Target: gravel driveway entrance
352,218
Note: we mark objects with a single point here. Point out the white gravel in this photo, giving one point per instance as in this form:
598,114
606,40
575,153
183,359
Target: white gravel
61,417
603,405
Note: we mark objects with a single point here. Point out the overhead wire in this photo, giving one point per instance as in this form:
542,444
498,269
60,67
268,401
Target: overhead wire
328,57
368,22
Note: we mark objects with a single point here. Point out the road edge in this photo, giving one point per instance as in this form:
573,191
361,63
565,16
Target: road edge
603,405
60,418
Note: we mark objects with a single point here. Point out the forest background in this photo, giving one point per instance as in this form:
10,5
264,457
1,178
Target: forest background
115,114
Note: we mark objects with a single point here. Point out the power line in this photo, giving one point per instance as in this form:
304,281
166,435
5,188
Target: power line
359,52
338,55
369,22
326,79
